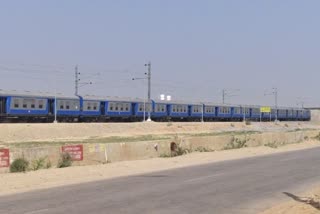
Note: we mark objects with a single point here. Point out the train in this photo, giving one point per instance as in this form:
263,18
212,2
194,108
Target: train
45,107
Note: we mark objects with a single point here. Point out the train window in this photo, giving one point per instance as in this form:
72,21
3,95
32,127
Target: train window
40,104
61,107
121,106
33,105
88,107
16,103
67,105
117,107
75,105
163,108
195,109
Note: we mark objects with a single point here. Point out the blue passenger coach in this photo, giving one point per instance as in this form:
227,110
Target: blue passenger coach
24,105
178,110
210,111
224,112
116,107
160,110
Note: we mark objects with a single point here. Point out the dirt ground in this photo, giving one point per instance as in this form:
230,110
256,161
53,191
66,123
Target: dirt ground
80,131
307,203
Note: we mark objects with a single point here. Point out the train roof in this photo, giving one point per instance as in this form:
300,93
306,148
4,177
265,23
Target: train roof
39,94
110,98
177,102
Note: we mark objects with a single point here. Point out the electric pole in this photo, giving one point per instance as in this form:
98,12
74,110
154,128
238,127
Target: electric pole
223,96
228,93
149,89
76,80
275,92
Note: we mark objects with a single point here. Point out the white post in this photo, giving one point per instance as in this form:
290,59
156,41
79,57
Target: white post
202,113
149,90
260,116
55,100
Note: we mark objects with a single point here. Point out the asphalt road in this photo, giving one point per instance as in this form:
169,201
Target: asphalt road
240,186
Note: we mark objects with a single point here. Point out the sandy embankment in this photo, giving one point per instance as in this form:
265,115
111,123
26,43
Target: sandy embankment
80,131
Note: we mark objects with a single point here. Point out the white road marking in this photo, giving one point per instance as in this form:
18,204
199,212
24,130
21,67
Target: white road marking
37,211
203,178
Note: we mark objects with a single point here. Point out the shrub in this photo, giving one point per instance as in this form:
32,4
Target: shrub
19,165
236,143
49,164
248,122
271,145
317,137
180,151
165,155
38,163
203,149
65,160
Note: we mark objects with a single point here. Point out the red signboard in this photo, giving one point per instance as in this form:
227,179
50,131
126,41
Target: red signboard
75,151
4,158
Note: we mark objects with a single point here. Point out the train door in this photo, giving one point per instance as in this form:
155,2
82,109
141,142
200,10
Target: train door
3,102
51,106
103,108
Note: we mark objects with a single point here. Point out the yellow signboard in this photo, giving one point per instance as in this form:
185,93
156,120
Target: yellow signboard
265,109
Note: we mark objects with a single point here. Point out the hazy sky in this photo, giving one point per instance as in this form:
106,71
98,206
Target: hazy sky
197,48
